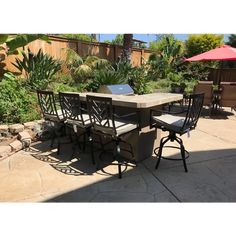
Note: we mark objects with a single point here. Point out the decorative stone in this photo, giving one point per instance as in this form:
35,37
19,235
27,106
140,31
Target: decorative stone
16,145
5,151
40,121
26,143
16,128
29,125
24,135
3,128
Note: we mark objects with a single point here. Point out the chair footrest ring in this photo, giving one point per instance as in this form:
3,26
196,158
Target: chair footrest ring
169,158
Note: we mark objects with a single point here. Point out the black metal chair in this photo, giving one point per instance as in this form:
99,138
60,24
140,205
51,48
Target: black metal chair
76,118
168,121
52,113
106,122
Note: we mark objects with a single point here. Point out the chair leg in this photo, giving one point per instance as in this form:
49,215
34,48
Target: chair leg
58,145
162,143
183,157
70,135
118,154
90,138
84,141
52,141
182,153
119,171
53,138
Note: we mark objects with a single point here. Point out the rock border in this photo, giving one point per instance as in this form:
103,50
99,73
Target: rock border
24,135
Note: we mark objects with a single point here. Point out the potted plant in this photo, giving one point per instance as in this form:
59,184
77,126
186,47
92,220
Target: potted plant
177,82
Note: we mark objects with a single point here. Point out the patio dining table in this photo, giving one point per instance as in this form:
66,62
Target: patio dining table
146,139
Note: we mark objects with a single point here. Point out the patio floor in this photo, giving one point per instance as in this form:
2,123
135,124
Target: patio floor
211,176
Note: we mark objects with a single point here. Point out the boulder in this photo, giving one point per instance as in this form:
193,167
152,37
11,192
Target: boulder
3,128
16,145
16,128
24,135
29,125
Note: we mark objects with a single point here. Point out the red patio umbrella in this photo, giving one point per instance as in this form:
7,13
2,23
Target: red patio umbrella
224,52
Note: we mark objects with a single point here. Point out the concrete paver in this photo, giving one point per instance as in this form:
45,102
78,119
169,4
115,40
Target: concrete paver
51,178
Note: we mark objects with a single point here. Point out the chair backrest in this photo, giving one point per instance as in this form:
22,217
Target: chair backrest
194,110
205,87
71,107
228,95
47,104
101,114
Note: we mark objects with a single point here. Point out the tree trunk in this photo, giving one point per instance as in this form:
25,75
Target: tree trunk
127,47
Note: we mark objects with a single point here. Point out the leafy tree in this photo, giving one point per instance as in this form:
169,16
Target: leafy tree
84,37
196,44
118,39
167,57
232,43
107,41
82,69
167,43
232,40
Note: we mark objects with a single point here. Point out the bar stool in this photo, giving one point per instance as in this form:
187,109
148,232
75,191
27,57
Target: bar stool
168,121
106,122
76,118
52,114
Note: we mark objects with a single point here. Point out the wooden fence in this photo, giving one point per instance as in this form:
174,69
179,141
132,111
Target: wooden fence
102,50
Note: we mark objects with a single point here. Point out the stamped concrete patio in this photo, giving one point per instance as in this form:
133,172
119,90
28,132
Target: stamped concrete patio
211,177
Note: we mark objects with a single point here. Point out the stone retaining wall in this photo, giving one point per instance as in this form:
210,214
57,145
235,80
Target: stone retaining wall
18,136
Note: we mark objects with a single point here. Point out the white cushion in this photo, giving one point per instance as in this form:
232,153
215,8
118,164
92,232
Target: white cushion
124,127
169,121
121,127
54,117
79,123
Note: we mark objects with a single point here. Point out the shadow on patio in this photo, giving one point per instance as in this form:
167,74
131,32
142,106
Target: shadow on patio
211,178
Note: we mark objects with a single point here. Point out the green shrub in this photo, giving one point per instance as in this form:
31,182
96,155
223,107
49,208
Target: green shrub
17,104
82,69
162,85
139,81
199,43
59,87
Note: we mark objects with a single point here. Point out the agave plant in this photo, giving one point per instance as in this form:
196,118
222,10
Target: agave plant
106,77
38,68
109,77
9,44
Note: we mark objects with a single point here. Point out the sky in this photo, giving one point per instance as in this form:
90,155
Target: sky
147,37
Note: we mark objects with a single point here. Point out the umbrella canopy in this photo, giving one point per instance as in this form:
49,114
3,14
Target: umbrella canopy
224,52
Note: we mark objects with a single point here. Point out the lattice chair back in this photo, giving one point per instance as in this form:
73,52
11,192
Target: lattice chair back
71,107
101,114
48,105
194,110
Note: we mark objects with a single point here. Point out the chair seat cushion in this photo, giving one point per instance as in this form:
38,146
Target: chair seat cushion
54,118
86,120
170,122
121,127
